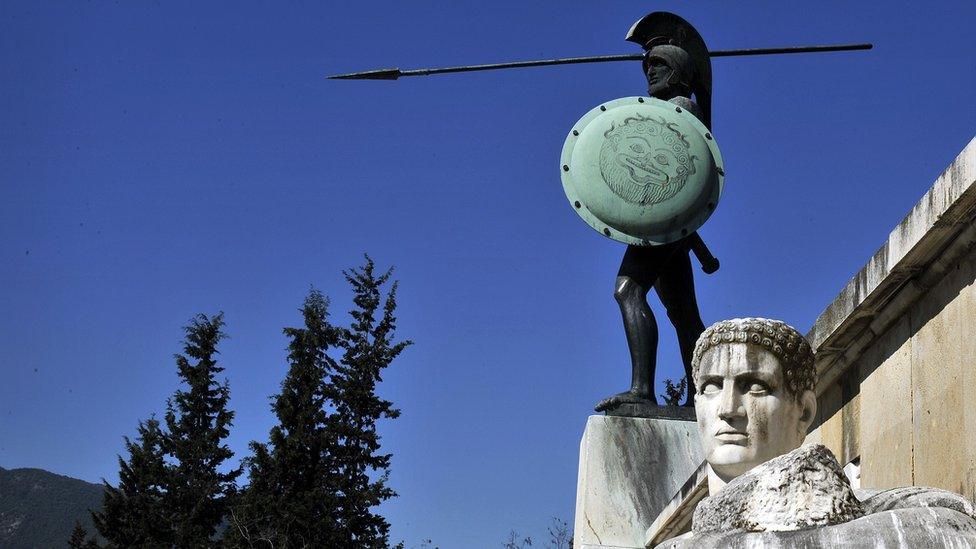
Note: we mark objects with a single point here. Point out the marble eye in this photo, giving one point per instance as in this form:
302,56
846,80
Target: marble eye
661,159
756,387
711,387
637,148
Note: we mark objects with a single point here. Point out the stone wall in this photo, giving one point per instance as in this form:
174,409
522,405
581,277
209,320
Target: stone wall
909,412
897,349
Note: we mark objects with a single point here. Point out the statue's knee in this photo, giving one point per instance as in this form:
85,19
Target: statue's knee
620,295
627,290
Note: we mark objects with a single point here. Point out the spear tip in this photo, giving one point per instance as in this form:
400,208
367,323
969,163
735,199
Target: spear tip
381,74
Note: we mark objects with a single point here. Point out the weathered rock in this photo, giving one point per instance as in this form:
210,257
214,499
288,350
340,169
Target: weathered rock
802,489
901,528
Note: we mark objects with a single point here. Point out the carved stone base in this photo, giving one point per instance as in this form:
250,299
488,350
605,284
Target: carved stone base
653,411
628,470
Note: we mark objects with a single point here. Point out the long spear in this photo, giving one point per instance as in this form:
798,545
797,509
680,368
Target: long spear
395,73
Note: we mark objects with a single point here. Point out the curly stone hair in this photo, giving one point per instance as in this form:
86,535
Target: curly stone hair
779,338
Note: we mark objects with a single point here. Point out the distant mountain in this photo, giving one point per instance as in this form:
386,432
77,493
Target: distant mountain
39,509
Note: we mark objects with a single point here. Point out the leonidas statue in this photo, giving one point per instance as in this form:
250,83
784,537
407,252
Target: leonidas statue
755,401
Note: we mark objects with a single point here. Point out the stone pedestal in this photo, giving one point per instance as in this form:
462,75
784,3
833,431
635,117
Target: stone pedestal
628,470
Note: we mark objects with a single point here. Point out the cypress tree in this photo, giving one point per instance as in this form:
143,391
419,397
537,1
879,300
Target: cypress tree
316,481
171,491
132,513
369,348
291,498
197,421
79,538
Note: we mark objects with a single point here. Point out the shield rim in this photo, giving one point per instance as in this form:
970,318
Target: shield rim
596,223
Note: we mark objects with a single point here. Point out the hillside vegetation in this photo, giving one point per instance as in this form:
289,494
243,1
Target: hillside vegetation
39,508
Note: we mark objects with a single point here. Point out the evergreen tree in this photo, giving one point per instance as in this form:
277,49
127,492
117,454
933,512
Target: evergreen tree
291,498
197,421
369,348
315,482
179,501
132,513
79,538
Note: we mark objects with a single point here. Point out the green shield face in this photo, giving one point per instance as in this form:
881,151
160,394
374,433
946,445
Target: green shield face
642,171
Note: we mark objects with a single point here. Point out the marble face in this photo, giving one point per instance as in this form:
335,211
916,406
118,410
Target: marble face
746,416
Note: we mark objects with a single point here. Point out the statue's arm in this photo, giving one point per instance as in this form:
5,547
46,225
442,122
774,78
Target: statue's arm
709,263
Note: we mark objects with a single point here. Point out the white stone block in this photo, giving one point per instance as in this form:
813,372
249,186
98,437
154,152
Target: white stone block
628,470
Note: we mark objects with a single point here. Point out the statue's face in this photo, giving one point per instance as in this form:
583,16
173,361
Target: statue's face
658,76
745,414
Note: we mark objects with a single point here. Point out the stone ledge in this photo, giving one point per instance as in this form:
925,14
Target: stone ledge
675,518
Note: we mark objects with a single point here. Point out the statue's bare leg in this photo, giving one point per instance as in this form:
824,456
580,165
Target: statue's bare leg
638,271
676,289
641,329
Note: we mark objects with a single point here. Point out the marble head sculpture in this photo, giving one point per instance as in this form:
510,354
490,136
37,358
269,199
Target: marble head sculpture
755,400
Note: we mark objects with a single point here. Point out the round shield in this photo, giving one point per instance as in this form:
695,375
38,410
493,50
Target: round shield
642,171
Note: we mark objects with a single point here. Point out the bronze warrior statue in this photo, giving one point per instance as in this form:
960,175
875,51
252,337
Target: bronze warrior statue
677,66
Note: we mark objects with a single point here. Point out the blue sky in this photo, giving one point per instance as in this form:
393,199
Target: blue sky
163,159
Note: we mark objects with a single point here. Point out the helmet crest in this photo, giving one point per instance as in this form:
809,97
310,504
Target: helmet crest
668,37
